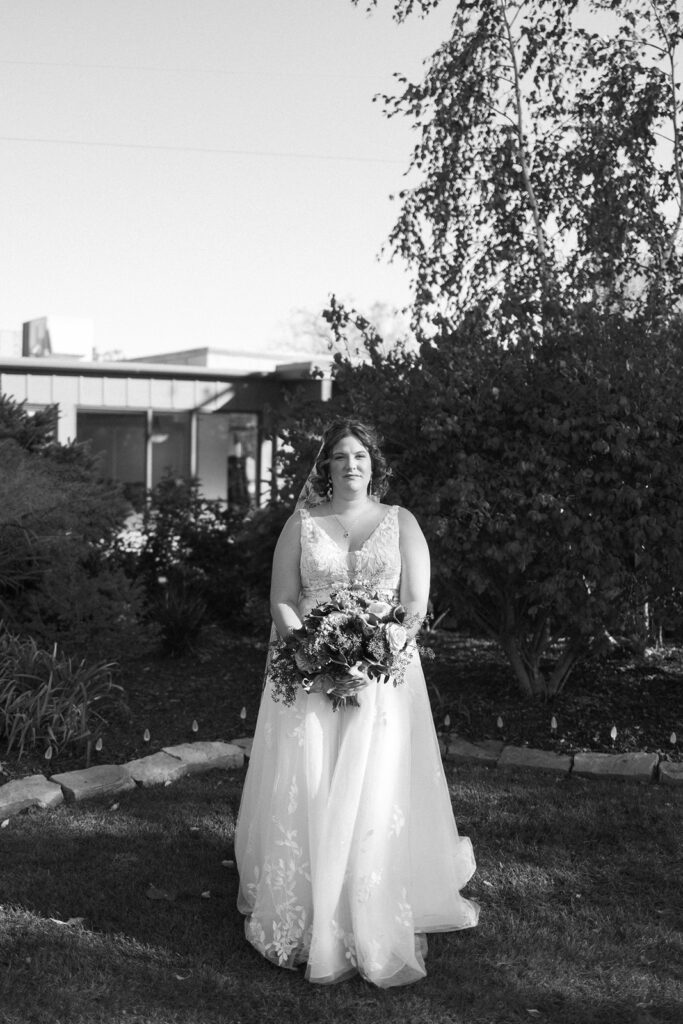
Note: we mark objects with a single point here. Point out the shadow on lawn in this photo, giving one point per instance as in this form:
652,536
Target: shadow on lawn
186,960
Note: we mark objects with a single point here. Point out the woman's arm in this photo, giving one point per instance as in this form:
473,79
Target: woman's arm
285,584
415,570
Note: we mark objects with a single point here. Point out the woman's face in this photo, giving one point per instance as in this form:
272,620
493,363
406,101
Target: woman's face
350,467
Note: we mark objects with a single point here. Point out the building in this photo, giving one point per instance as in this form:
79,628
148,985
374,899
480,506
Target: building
202,413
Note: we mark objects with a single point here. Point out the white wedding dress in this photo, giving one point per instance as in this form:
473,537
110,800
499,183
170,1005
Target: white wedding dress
346,845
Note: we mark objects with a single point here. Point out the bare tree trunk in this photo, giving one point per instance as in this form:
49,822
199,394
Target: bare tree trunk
670,50
520,131
563,669
526,668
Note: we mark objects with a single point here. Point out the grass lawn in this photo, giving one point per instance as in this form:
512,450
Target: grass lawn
579,882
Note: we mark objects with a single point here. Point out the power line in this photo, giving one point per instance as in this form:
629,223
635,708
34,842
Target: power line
242,73
203,149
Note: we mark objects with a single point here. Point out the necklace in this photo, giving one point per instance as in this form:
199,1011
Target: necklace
345,529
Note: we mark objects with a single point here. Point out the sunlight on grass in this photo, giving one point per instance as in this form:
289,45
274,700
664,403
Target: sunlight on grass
579,887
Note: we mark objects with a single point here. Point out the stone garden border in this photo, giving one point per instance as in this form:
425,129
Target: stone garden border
172,763
162,768
639,767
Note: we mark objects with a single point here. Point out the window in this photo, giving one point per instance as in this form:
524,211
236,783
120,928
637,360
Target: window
139,448
170,439
228,457
119,440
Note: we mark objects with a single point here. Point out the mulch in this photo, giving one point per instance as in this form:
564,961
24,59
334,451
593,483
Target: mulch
213,692
618,704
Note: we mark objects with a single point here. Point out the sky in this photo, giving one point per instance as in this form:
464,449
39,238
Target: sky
183,173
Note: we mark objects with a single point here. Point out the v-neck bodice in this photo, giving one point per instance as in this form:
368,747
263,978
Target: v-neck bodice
326,567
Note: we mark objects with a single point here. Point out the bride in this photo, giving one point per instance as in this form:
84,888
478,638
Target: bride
346,845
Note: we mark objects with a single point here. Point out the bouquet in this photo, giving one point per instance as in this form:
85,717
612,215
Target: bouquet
342,646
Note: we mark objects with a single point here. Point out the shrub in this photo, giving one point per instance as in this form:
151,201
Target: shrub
547,480
248,595
214,562
57,518
48,700
179,610
183,535
85,604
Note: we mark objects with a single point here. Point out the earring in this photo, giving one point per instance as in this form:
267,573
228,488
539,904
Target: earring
329,489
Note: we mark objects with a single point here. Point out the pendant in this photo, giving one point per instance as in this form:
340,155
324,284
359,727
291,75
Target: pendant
346,534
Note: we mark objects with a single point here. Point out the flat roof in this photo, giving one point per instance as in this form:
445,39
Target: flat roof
163,371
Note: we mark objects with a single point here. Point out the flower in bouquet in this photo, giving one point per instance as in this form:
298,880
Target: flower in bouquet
380,609
342,646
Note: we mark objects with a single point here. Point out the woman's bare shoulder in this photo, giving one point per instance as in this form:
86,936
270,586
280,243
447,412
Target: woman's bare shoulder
406,517
408,526
292,526
320,511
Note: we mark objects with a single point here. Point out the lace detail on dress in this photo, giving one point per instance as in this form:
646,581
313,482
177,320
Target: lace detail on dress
345,840
287,937
326,567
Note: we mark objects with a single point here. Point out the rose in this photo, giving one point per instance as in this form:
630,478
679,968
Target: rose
379,608
397,637
338,619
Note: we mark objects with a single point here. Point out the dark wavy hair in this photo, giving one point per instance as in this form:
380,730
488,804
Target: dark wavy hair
369,438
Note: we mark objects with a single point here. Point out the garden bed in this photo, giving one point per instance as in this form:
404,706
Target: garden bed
214,692
641,696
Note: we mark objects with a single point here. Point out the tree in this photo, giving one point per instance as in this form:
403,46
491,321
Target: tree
536,430
547,482
549,164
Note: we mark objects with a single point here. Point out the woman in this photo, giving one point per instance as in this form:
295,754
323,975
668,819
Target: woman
346,845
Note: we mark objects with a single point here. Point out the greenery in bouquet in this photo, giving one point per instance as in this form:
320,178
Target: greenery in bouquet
342,646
